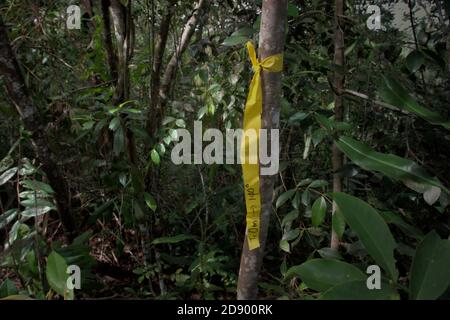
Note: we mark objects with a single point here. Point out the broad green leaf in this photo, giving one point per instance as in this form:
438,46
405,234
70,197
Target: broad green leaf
6,162
393,93
292,10
7,175
318,135
430,271
291,216
338,223
56,272
154,155
35,212
371,229
323,274
175,239
296,200
304,182
318,184
7,217
38,186
414,61
357,290
285,196
284,245
180,123
291,234
8,288
114,124
299,116
235,40
36,203
324,121
306,198
319,210
388,164
150,201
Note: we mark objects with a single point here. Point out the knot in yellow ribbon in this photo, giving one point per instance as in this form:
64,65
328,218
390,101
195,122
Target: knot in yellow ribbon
250,142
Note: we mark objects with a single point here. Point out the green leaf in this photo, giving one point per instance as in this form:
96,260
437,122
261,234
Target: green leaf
388,164
180,123
298,117
150,201
36,203
114,124
284,245
35,212
393,93
175,239
291,216
324,121
371,229
7,175
154,155
8,288
38,186
284,197
318,184
430,271
291,234
292,11
338,223
323,274
57,275
319,209
235,40
357,290
7,217
296,200
6,163
414,61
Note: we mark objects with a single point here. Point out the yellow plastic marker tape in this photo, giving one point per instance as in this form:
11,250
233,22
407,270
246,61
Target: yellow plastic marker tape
252,122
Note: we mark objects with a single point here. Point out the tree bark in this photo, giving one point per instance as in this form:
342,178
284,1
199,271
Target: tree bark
188,31
122,24
271,42
107,38
158,55
28,111
337,156
171,68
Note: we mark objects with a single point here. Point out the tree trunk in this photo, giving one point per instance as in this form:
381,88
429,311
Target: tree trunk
171,68
271,42
107,38
337,156
19,95
158,55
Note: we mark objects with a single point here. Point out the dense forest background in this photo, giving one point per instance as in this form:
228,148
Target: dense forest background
89,116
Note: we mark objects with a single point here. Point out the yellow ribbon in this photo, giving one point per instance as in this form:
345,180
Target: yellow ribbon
252,122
